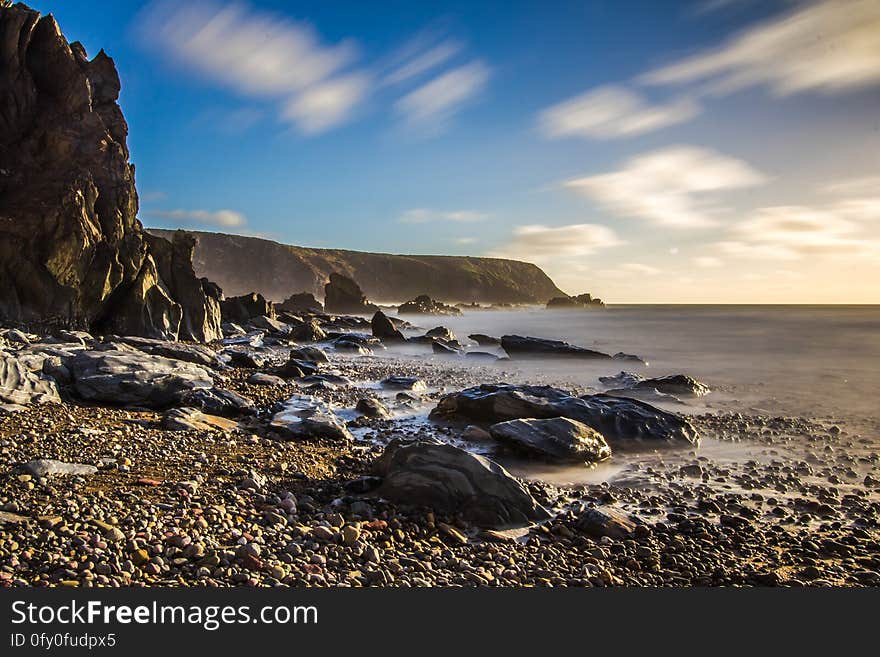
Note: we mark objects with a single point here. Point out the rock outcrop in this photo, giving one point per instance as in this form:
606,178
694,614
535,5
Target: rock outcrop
244,308
580,301
72,251
425,305
521,347
343,295
555,439
301,302
241,264
623,422
383,329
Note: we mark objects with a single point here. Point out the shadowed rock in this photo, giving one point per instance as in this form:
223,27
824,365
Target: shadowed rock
623,422
520,347
425,305
301,302
449,479
383,329
555,439
244,308
343,295
304,416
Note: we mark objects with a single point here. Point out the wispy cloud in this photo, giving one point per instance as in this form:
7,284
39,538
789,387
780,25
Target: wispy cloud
430,106
828,46
418,58
226,218
669,186
537,242
611,112
257,54
465,240
425,215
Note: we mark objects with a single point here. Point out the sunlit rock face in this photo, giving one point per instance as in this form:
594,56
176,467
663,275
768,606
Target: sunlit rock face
72,251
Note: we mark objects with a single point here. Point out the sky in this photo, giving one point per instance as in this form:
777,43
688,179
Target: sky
712,151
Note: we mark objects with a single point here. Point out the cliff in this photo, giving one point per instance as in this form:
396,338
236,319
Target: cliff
72,251
244,264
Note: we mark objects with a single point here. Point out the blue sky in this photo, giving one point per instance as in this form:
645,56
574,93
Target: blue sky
716,150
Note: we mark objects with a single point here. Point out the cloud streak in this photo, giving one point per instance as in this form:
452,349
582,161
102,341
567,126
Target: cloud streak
537,242
612,112
431,105
670,186
226,218
426,215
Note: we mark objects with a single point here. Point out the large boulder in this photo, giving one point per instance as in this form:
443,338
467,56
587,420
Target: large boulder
623,422
132,378
301,302
519,346
244,308
19,385
343,295
451,480
555,439
579,302
384,330
425,305
72,251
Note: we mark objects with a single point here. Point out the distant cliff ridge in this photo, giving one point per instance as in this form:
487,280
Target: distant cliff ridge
245,264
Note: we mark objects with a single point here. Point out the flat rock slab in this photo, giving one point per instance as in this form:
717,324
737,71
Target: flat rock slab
19,385
190,419
404,383
305,416
51,468
622,421
605,522
519,346
134,378
556,439
450,479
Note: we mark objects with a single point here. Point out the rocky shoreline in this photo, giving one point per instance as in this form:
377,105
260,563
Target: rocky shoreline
279,469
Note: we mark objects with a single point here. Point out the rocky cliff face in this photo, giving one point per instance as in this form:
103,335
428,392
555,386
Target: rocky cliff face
243,264
72,252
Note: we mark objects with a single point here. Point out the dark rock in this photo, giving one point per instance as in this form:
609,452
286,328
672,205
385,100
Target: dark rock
674,384
362,485
441,349
301,302
519,346
384,330
134,378
245,359
350,345
485,340
19,385
605,522
329,379
313,354
581,301
425,305
295,368
621,421
72,251
629,358
411,383
481,355
244,308
556,439
268,324
449,479
372,408
343,295
217,401
308,331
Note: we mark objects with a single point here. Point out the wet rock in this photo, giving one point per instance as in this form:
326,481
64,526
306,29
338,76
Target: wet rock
441,349
425,305
629,358
623,422
372,408
217,401
269,324
190,419
19,385
485,340
555,439
295,369
674,384
519,346
446,478
349,345
242,358
244,308
481,356
343,295
304,416
384,330
410,383
51,468
605,522
133,378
